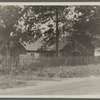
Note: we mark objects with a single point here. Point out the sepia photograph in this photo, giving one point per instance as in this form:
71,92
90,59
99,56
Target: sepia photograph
49,49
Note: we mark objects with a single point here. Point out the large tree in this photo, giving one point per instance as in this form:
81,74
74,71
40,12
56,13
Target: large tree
50,21
9,18
86,26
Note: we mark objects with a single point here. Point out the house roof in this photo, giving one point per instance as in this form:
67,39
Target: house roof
39,43
62,44
97,37
34,46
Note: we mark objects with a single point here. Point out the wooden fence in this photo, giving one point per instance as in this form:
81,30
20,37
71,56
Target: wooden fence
47,61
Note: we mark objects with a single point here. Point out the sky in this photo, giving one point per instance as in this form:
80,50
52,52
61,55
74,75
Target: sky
97,53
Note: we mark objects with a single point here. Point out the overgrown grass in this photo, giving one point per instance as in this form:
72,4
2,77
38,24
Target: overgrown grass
19,77
72,71
50,72
8,81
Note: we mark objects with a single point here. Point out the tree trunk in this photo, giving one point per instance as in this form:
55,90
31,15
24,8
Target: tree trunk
8,56
57,34
7,42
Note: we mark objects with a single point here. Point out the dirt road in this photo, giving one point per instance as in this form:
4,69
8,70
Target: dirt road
74,86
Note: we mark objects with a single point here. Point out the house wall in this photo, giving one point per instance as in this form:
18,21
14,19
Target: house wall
18,49
34,54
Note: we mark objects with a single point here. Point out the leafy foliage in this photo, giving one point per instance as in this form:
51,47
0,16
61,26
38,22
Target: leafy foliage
41,20
9,18
28,23
86,26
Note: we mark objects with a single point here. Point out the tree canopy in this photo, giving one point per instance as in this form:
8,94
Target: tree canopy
28,23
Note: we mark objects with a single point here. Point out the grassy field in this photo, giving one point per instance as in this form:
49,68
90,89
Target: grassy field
30,77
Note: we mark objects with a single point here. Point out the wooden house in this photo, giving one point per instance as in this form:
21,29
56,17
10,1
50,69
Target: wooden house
34,49
27,49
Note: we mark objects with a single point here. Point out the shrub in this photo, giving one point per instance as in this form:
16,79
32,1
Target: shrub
35,66
41,74
51,74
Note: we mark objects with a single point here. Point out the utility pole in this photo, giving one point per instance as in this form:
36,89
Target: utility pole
57,34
